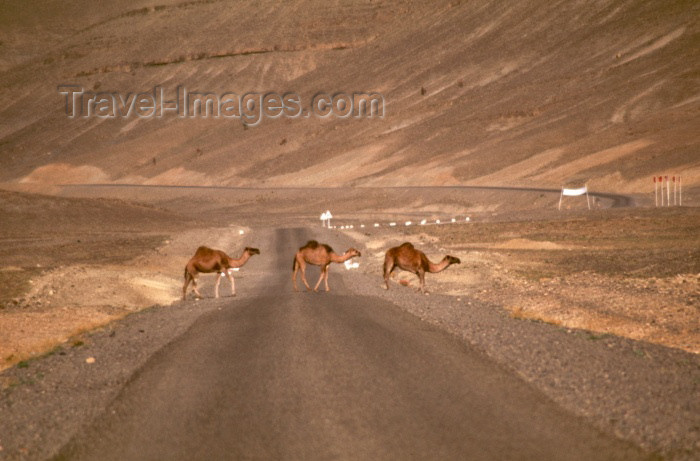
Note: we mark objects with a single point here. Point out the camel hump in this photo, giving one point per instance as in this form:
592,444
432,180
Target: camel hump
328,248
407,245
203,250
312,244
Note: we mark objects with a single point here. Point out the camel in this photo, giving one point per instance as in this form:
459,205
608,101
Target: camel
406,257
318,254
207,260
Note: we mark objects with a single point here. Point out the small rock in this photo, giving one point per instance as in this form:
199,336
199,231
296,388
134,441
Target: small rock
90,360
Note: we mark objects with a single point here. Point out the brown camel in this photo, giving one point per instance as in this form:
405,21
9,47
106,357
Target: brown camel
409,259
206,260
318,254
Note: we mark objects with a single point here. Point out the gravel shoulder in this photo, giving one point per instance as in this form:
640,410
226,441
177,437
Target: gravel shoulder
638,391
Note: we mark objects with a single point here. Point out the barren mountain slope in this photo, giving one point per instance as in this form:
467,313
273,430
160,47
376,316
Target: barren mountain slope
479,92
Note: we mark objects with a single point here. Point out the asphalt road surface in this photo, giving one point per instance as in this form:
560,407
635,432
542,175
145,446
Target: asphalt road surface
329,376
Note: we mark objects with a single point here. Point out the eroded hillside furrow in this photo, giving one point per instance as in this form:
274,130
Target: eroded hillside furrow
533,94
203,56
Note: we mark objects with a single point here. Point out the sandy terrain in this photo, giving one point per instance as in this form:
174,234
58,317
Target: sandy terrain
489,111
633,273
537,94
627,272
96,261
475,95
522,288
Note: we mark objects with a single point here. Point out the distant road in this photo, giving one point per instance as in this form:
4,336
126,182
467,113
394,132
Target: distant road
617,200
329,376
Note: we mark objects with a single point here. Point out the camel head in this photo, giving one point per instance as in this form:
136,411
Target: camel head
251,251
452,260
353,252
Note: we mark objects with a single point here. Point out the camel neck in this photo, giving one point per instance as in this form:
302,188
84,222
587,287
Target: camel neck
336,258
240,261
441,266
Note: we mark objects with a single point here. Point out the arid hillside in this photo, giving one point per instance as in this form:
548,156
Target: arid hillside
533,93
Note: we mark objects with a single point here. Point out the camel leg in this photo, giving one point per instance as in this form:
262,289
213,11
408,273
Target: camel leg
184,287
421,277
216,288
388,269
323,272
233,284
324,275
194,285
303,276
386,279
297,266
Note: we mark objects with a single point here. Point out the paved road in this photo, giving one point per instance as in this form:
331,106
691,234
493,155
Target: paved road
616,200
329,376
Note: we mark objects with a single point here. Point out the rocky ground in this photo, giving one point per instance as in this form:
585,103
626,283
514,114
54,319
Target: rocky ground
632,273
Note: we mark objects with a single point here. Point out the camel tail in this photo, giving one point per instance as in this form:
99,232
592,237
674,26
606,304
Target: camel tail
294,263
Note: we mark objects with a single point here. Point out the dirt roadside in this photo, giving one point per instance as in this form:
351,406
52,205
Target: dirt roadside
634,273
72,265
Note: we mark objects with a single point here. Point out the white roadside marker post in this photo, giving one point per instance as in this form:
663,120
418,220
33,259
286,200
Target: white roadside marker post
674,191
